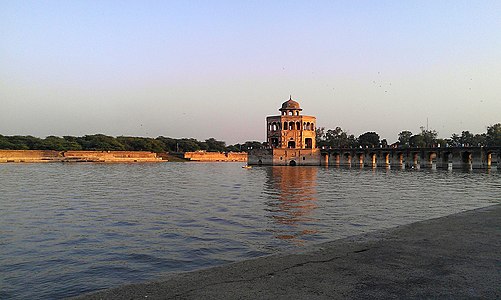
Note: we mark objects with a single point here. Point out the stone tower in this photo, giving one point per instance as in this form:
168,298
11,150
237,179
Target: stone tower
291,139
291,129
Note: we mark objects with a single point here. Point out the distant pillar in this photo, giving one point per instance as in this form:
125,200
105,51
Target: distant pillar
325,159
457,161
384,160
498,160
397,160
439,162
488,159
358,159
443,160
371,159
426,160
478,160
415,160
346,159
337,159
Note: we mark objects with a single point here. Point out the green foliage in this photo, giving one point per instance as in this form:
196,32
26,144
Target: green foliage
6,144
214,145
404,137
247,146
339,138
320,137
369,139
493,135
141,144
335,138
60,144
101,142
427,138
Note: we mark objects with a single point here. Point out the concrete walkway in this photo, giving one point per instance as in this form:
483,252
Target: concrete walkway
453,257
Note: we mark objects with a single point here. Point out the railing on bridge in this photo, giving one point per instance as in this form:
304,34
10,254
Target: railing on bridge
438,157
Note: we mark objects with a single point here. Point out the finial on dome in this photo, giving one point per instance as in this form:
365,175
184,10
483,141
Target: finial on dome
290,97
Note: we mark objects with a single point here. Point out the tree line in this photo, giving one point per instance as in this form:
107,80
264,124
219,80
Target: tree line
335,138
338,138
101,142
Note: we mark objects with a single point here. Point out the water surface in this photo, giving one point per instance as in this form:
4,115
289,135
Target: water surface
66,229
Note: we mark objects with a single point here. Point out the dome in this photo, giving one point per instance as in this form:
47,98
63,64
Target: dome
290,104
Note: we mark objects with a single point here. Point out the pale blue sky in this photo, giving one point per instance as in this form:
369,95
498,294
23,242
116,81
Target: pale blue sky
218,68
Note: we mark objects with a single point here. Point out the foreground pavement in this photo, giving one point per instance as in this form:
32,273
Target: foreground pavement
453,257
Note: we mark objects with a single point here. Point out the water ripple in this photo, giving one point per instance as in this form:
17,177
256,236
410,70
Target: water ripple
66,229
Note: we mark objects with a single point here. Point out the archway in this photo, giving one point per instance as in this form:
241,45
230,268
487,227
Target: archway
292,163
309,143
488,159
274,142
291,144
466,158
347,159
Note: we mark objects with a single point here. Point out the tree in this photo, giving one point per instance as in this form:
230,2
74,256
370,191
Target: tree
249,145
455,140
493,135
467,138
417,140
141,144
234,148
404,137
429,137
369,139
6,144
336,137
100,142
187,145
320,137
384,143
214,145
59,144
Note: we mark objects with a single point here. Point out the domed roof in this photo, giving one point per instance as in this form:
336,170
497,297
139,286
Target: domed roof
290,104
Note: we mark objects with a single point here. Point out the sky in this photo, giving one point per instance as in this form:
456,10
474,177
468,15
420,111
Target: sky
206,69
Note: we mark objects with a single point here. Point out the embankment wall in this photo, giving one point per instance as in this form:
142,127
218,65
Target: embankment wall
285,157
216,156
77,156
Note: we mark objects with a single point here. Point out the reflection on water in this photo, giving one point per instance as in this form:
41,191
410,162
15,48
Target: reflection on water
66,229
296,202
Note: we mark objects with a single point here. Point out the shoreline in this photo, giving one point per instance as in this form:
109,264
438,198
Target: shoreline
74,156
455,256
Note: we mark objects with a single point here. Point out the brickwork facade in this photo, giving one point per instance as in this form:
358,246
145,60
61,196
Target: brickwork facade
291,139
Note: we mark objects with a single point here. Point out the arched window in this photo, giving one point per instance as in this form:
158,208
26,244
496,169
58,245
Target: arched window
285,125
290,113
291,125
308,143
312,126
298,125
274,142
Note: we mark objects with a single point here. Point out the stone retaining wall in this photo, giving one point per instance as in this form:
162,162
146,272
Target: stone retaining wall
216,156
77,156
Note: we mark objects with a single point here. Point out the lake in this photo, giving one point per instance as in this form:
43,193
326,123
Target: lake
68,229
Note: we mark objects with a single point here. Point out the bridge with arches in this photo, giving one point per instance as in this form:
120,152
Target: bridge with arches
438,157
